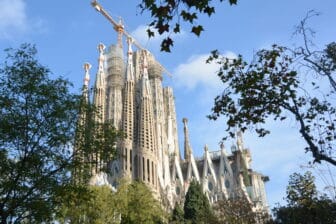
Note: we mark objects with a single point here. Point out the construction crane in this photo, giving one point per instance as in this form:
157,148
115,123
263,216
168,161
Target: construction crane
120,29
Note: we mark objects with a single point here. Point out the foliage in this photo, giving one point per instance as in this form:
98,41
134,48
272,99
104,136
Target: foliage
177,215
196,206
237,211
304,204
95,143
167,16
136,204
131,203
92,205
301,189
278,84
37,123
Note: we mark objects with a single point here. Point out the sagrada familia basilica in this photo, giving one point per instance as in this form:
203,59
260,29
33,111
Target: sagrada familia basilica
131,95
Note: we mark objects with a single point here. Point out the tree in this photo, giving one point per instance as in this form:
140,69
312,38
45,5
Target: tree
301,189
96,207
167,16
304,204
95,143
278,84
238,211
135,204
269,87
39,119
177,216
37,125
196,206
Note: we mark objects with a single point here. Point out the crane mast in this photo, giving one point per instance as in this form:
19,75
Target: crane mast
119,28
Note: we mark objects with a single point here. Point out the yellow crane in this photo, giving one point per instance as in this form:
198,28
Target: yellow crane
120,29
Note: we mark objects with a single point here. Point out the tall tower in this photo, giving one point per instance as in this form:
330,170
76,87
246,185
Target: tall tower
85,93
114,83
155,77
128,115
79,155
147,147
171,123
99,87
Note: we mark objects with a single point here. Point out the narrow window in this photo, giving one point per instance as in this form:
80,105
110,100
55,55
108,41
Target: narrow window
148,171
126,159
136,174
131,159
143,169
153,172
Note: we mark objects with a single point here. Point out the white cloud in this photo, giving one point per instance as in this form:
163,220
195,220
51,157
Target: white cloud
196,72
140,34
14,20
12,17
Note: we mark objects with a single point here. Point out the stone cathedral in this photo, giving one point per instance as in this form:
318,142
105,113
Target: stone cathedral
129,92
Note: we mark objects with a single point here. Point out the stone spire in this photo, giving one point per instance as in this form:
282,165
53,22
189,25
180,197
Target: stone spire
128,115
155,80
145,89
187,147
99,88
240,143
147,148
129,69
87,68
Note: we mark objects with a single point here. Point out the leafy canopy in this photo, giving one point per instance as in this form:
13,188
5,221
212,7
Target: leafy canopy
238,211
177,215
304,203
197,208
48,138
96,206
37,126
278,84
169,15
138,205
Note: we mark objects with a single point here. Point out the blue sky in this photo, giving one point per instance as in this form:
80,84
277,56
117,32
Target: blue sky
67,33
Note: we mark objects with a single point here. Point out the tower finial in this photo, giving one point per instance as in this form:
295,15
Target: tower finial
222,146
206,148
187,148
145,64
240,143
101,48
129,73
87,66
130,51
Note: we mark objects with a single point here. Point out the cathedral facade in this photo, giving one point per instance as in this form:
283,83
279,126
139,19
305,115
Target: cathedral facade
131,95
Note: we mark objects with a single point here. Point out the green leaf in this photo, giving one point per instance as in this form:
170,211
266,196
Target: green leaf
166,44
177,28
197,30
